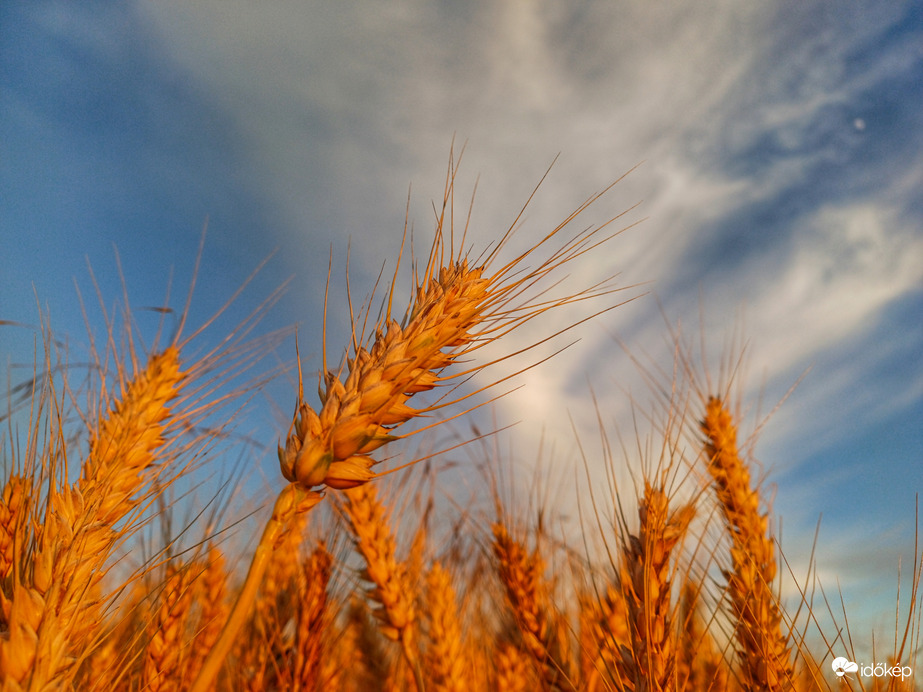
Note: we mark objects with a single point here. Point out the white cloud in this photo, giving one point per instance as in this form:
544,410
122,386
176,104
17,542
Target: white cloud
847,263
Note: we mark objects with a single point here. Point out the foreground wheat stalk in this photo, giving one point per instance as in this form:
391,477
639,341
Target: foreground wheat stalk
51,609
762,648
292,502
459,305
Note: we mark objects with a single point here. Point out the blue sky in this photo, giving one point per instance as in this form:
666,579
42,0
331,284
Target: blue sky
780,181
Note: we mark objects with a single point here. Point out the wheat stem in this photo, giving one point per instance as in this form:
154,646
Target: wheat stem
292,501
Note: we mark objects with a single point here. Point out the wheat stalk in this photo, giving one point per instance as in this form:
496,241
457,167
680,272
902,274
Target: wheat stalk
445,657
75,537
522,575
392,589
291,503
646,580
763,650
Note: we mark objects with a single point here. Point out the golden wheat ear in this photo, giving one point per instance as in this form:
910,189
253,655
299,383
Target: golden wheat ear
699,661
513,670
458,306
763,650
312,619
52,605
604,634
446,663
212,593
391,588
166,652
647,584
522,574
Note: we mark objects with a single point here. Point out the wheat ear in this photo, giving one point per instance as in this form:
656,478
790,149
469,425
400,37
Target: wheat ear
646,580
76,535
211,589
13,532
312,615
699,663
392,589
512,670
11,504
458,306
604,634
445,655
166,650
522,575
762,649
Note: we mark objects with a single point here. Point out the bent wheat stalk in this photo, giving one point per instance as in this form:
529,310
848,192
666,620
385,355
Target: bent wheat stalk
292,501
459,305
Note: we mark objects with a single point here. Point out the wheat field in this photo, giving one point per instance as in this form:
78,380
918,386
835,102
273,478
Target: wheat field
364,577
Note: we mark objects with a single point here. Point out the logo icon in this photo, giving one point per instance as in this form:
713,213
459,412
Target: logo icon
842,665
